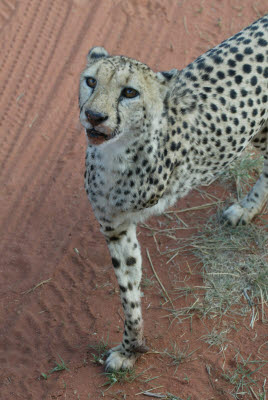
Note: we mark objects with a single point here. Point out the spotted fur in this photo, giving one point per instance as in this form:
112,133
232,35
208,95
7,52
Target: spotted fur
155,136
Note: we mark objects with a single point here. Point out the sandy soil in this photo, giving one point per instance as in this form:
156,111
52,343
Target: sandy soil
50,240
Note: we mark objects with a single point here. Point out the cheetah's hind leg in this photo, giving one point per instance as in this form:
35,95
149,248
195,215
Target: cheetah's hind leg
253,202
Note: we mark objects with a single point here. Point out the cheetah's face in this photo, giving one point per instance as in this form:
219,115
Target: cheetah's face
119,96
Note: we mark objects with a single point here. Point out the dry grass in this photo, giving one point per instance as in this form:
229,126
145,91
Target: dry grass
235,265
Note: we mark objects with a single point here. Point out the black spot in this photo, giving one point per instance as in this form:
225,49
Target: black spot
259,57
168,161
233,94
231,72
123,289
173,146
201,65
244,92
220,75
239,57
217,60
247,68
209,69
114,238
233,109
262,42
220,89
253,81
131,261
248,50
208,89
236,121
238,79
258,90
171,120
130,286
259,69
234,49
212,127
231,63
205,77
116,263
203,96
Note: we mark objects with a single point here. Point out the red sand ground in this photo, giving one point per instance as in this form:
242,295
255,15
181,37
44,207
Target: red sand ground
46,215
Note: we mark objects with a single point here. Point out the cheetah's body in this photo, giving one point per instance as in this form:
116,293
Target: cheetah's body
181,130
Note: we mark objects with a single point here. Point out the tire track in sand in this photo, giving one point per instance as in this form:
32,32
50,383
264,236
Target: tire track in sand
15,82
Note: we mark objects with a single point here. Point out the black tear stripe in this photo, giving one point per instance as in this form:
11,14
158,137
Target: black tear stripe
81,108
118,119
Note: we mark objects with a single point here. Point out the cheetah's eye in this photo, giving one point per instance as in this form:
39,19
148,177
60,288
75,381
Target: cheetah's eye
91,82
129,93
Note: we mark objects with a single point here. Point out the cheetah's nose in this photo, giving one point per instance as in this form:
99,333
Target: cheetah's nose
95,118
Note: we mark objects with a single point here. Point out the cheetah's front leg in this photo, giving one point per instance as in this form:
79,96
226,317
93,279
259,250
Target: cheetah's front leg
126,259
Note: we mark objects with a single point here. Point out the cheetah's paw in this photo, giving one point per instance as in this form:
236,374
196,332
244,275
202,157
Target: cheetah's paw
237,215
119,359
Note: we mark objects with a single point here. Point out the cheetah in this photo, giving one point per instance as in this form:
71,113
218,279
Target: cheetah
154,136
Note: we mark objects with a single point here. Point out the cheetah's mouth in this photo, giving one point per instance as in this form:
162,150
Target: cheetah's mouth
92,133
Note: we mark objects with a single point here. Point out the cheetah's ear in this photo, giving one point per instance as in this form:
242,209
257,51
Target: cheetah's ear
95,53
166,76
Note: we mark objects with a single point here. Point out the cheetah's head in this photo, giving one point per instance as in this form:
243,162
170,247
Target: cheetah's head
120,97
